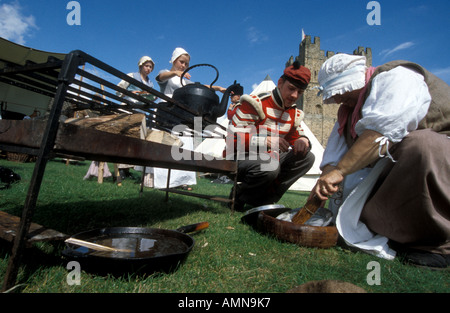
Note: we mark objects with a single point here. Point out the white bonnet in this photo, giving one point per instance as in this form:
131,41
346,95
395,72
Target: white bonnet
145,59
177,53
340,74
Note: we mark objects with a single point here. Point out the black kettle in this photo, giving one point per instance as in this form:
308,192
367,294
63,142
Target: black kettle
201,99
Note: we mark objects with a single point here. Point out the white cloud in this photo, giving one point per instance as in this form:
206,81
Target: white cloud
14,25
255,36
442,73
402,46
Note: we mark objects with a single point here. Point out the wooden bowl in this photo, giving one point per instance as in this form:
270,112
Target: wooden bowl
302,235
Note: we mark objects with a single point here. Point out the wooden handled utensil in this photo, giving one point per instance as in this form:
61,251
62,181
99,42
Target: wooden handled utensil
94,246
307,211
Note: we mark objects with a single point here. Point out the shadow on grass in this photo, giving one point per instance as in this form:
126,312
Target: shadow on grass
138,211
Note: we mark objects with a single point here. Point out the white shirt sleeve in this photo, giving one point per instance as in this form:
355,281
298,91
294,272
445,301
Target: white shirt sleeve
335,149
398,101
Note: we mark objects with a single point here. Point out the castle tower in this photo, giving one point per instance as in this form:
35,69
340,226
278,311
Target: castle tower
319,118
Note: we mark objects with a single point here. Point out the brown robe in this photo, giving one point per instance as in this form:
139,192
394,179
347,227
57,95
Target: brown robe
410,203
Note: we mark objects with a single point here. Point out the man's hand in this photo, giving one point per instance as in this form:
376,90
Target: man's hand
301,146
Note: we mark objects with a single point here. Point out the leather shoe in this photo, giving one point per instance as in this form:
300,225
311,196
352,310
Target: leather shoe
427,259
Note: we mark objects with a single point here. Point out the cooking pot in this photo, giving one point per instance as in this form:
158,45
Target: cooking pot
201,100
148,249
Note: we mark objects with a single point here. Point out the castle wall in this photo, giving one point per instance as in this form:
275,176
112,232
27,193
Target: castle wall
320,118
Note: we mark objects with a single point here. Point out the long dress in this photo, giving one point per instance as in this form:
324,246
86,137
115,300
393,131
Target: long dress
177,177
404,197
93,170
126,85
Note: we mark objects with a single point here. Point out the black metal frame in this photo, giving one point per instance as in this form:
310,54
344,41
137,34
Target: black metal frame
57,79
44,79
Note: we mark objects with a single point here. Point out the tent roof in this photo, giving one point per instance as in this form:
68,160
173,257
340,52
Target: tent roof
15,99
18,54
267,85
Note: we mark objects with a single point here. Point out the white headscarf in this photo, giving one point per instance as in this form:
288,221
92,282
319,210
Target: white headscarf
340,74
177,53
145,59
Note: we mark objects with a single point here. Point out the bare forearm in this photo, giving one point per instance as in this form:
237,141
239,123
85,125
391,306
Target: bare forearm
363,152
165,75
217,88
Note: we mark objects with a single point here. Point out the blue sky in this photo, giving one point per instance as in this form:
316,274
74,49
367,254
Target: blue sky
245,39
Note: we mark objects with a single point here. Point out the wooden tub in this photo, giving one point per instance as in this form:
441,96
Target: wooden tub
302,235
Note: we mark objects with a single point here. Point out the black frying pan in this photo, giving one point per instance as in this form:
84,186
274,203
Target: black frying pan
148,249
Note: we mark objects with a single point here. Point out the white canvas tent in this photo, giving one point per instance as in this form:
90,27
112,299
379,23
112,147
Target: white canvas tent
307,182
267,85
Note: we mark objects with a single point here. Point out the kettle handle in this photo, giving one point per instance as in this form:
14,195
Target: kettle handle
197,65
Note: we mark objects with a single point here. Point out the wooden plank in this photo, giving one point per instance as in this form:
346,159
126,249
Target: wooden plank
10,223
198,195
95,145
123,124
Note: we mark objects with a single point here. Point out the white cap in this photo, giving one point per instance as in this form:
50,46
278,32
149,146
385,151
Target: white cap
340,74
177,53
145,59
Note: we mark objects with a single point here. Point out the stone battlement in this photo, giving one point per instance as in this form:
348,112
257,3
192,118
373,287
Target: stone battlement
319,118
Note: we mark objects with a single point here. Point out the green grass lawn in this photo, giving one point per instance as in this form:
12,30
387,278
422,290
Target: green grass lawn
228,257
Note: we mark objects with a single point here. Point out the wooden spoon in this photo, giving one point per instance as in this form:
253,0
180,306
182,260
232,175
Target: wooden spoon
305,213
94,246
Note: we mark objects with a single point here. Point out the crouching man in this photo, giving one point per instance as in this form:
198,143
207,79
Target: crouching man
266,138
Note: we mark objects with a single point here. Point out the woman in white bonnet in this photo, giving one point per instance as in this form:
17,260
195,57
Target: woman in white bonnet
146,65
169,80
386,165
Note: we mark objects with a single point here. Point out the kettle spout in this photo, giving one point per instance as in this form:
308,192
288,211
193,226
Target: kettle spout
235,88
